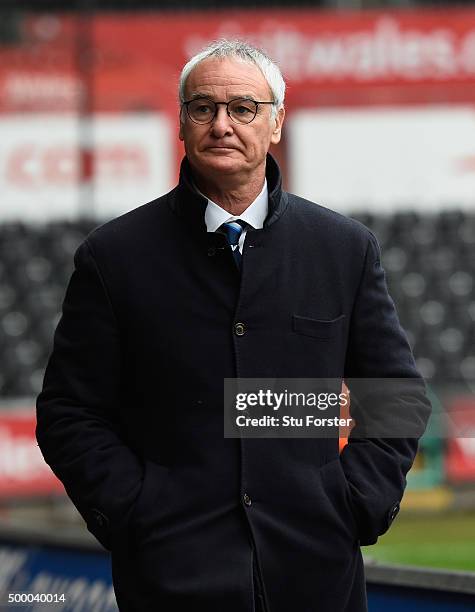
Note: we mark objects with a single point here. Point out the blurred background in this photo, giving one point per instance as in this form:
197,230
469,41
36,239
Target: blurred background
380,126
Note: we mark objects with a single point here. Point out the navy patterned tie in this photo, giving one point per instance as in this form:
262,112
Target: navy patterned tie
233,230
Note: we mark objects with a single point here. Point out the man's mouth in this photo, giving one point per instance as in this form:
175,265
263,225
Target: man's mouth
222,148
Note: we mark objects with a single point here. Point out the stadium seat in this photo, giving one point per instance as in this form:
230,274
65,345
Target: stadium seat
429,261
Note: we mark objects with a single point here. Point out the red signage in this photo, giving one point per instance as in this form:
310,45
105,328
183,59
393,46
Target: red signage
132,61
23,471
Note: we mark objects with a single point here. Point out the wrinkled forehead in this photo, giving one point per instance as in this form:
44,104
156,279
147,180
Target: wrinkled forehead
216,76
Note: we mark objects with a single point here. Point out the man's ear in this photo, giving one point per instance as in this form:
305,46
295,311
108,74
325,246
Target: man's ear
277,131
180,132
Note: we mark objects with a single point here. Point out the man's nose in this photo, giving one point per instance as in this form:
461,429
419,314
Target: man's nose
221,124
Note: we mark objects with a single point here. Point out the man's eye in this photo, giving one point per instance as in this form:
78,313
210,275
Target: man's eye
203,108
242,110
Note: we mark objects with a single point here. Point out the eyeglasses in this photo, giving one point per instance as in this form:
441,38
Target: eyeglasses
240,110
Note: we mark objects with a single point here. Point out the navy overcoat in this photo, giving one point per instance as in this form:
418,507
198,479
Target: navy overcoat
130,418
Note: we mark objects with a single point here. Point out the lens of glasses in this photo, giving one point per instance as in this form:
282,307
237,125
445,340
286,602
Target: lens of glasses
240,110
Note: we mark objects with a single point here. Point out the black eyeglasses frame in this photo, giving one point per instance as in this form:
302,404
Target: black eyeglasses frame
186,104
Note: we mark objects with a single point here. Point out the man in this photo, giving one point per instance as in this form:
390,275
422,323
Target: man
172,298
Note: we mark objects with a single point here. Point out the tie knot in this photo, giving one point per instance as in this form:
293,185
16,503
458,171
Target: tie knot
233,230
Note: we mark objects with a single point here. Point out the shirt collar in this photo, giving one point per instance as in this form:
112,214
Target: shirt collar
188,204
254,215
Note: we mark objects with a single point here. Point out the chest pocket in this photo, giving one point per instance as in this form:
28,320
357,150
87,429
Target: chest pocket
317,328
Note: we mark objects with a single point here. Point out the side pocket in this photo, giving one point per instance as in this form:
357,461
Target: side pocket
338,490
317,328
145,506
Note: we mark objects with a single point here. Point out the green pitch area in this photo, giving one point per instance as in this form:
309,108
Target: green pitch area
443,541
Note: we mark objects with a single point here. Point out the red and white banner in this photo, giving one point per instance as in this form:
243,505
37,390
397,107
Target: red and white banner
23,471
460,458
130,157
405,79
376,158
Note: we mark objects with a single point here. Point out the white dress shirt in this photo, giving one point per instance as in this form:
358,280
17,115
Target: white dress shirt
254,214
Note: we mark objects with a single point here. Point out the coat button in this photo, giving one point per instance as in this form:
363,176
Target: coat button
246,499
239,329
211,252
393,513
100,519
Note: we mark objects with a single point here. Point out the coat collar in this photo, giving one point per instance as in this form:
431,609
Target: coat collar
191,205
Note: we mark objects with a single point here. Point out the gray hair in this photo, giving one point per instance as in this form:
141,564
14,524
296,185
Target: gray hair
244,52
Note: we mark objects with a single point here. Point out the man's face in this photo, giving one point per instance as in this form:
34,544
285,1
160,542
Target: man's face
223,147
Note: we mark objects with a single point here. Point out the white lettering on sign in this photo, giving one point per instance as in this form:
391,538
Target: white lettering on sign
80,594
46,159
20,457
51,90
11,562
383,50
